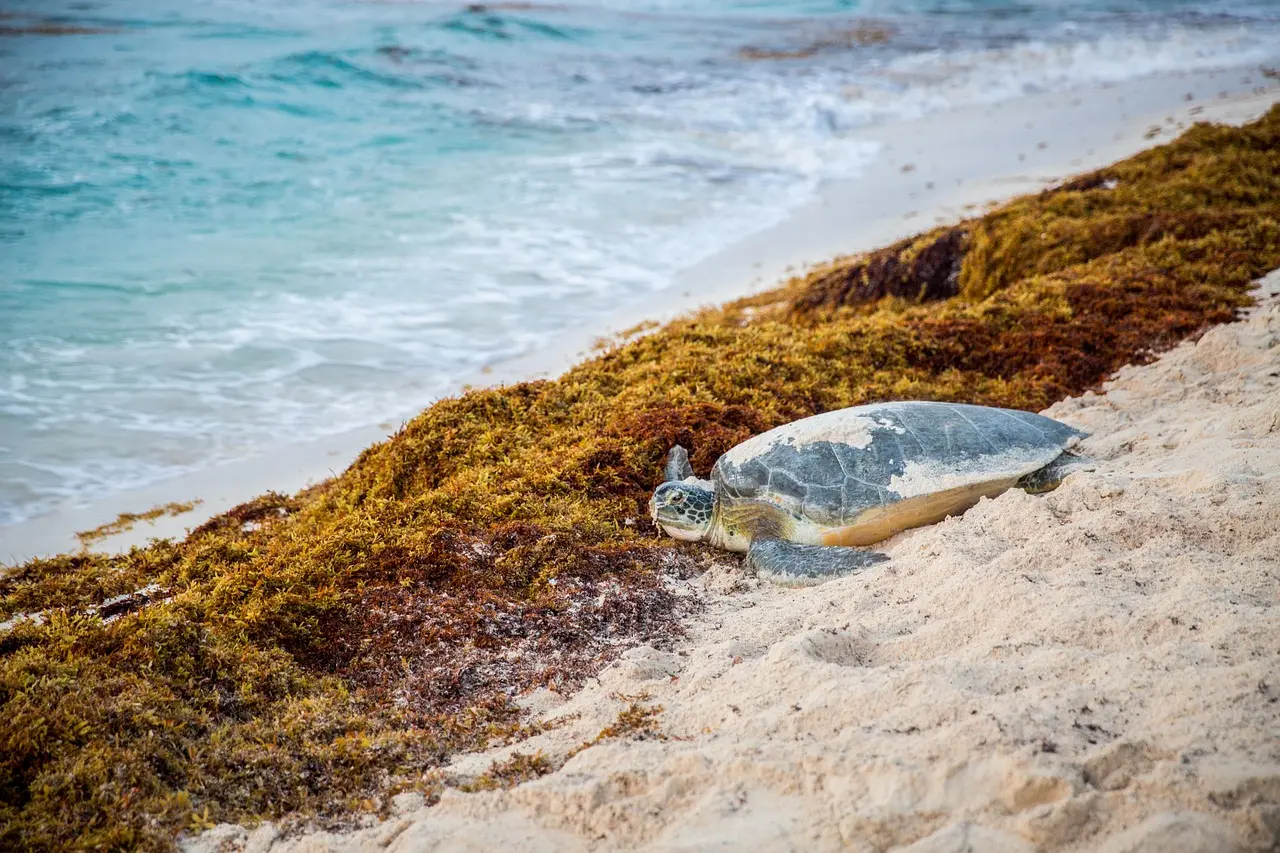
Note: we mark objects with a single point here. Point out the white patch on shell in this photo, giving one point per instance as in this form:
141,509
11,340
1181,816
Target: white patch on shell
936,475
891,426
838,427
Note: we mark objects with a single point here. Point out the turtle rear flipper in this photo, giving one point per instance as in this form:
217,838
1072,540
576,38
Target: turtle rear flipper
799,565
678,467
1049,477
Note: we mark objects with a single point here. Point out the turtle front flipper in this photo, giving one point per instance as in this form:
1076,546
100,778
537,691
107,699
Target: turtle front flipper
797,565
678,467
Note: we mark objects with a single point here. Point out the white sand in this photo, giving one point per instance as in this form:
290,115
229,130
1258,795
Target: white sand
958,162
1093,669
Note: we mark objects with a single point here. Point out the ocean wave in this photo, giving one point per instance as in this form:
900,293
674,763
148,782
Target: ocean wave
496,23
335,70
941,79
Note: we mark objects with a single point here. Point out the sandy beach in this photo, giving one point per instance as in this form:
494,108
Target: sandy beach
1092,669
938,169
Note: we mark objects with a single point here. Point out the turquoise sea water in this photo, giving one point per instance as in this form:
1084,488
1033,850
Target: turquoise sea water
228,224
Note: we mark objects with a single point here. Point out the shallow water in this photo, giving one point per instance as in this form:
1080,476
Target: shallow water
227,224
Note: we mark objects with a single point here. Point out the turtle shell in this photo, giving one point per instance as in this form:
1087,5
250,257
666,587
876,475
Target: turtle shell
917,460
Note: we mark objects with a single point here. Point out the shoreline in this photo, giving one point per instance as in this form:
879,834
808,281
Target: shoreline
934,170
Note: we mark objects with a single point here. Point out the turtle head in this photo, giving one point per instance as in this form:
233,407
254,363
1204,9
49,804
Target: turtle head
684,508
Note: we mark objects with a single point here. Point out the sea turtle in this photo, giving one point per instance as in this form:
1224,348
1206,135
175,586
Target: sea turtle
799,498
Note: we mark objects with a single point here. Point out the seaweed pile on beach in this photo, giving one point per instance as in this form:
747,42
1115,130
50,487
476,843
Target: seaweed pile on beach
313,654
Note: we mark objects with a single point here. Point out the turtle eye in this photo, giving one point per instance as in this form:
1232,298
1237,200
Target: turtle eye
677,498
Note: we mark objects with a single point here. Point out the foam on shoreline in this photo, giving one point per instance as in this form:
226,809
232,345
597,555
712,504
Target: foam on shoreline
938,169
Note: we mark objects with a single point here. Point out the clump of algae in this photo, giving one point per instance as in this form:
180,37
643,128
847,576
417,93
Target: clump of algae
128,520
313,653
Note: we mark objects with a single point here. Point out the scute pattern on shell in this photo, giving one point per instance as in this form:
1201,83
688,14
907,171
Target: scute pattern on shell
914,448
